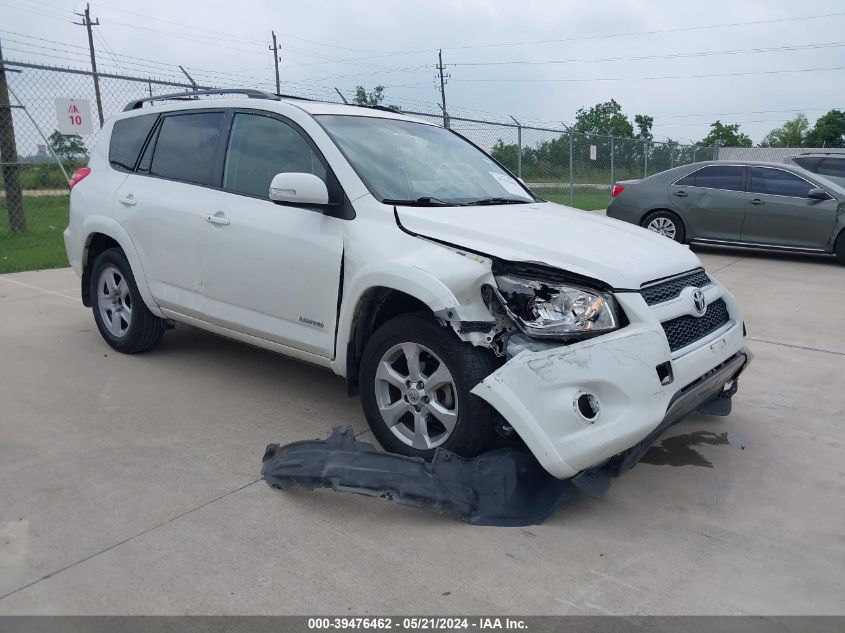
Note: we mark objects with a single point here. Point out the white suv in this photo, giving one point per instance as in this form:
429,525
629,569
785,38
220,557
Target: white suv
405,259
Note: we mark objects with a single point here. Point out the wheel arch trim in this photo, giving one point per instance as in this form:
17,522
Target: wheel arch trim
409,280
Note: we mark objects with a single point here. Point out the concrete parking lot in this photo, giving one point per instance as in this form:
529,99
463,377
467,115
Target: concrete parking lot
131,485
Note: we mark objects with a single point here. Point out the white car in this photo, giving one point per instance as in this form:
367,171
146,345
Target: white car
402,257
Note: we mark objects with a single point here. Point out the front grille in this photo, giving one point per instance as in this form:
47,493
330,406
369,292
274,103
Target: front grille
664,291
687,329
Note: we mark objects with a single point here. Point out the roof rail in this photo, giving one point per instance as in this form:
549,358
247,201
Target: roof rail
179,96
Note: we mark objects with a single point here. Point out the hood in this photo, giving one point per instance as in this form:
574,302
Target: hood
620,254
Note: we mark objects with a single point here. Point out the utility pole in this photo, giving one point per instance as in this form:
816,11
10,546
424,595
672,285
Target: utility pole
9,156
87,23
276,60
442,87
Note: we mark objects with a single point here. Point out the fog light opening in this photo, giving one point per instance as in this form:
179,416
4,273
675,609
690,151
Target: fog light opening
587,406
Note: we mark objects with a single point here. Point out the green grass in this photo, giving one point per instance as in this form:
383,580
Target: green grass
582,198
45,175
41,245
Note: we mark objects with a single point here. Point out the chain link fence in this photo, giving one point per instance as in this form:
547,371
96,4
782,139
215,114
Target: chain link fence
559,165
773,154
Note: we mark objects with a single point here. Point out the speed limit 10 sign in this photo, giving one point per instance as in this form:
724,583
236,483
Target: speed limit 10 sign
74,116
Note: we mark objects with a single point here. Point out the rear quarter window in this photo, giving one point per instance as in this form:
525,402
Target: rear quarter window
127,139
808,163
832,167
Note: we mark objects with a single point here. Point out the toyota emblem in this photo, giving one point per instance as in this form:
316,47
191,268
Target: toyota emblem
699,303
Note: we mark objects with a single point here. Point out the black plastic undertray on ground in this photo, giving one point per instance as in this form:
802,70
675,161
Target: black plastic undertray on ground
504,487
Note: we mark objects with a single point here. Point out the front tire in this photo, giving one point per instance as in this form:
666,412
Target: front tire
121,315
415,381
665,223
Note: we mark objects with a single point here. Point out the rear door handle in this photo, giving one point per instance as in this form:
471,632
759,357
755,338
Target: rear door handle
128,200
681,194
217,219
756,201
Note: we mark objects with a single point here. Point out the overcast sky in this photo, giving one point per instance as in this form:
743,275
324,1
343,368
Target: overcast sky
327,44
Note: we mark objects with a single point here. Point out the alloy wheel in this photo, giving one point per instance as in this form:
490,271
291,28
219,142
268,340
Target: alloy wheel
416,396
114,301
662,226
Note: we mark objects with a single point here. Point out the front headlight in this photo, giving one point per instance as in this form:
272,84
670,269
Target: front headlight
547,309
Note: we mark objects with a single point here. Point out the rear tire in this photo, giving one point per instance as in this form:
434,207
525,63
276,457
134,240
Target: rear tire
665,223
121,315
414,412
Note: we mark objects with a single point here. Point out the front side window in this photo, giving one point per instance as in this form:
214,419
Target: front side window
777,182
728,177
127,138
186,148
404,161
261,147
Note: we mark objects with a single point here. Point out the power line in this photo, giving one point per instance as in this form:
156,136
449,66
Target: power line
232,35
109,50
668,116
28,50
654,32
702,76
736,51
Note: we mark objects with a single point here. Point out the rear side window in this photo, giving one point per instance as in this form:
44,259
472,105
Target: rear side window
832,167
186,148
777,182
261,147
729,177
808,163
127,139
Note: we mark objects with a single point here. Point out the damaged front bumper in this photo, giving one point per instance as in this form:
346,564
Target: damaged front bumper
579,405
504,487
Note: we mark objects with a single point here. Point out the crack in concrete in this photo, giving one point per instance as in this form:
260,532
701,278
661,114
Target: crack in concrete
804,347
715,270
41,290
126,540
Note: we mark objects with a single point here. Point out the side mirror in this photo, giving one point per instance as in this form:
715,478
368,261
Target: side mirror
298,188
818,194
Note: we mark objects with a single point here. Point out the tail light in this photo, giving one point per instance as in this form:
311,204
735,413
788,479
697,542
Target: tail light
617,189
77,177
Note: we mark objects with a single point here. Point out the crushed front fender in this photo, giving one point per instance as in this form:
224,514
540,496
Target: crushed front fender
504,487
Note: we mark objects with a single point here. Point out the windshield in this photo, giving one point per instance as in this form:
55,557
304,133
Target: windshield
403,162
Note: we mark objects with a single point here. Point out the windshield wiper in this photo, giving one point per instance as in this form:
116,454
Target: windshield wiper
483,201
424,201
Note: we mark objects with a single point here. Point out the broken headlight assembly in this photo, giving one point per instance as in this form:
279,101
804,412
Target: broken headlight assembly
556,310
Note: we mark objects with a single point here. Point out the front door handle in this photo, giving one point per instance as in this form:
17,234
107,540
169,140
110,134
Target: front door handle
756,201
681,194
217,219
128,200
